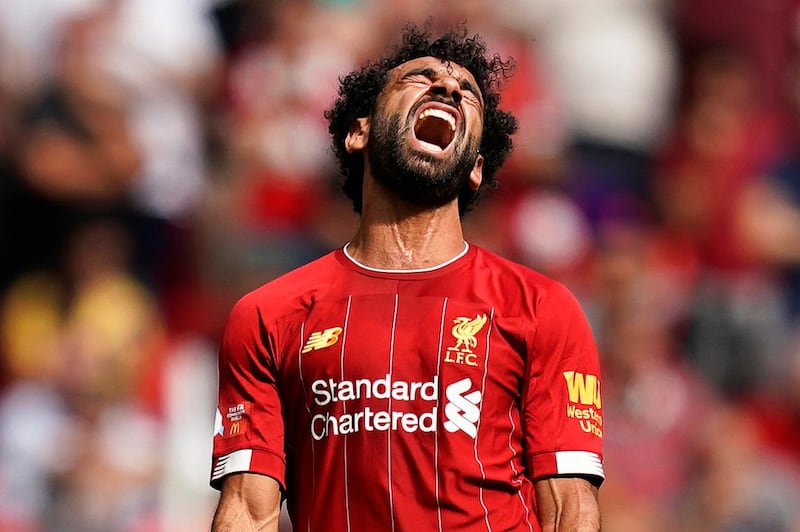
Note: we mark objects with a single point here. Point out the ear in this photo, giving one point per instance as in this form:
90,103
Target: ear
476,176
356,139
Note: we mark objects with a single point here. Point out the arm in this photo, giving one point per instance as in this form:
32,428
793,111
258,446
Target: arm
567,504
563,416
248,463
248,503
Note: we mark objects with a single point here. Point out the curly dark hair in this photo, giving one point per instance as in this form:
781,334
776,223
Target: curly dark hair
359,90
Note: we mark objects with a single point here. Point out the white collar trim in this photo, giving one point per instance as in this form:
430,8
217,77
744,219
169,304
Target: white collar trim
418,270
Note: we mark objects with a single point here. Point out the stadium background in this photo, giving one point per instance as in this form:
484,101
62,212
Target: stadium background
159,158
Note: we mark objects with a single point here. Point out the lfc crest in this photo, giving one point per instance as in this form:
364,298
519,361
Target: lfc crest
464,331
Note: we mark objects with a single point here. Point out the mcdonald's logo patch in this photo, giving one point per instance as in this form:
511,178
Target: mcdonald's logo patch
236,420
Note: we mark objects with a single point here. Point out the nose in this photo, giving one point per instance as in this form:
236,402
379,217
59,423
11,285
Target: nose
449,87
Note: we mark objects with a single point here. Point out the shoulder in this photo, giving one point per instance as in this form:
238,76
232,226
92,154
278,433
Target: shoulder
525,292
518,278
290,291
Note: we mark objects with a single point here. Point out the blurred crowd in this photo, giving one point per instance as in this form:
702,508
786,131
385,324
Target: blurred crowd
160,158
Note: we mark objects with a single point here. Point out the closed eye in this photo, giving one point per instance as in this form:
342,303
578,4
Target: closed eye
470,92
424,80
420,74
429,75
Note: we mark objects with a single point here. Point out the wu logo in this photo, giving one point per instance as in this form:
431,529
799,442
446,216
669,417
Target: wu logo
322,339
464,332
583,389
462,411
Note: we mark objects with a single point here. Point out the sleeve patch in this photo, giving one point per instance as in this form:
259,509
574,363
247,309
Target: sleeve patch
584,403
233,420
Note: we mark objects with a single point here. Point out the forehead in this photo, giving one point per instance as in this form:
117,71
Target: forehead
440,66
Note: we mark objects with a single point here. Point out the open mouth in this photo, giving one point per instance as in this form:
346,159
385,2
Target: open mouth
435,128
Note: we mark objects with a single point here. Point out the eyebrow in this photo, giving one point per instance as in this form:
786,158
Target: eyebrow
431,74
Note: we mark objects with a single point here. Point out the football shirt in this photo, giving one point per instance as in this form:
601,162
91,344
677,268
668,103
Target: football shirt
409,400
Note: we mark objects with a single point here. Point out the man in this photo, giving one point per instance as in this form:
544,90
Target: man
411,381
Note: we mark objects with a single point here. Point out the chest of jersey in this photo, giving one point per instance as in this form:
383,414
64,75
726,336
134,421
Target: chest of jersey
410,363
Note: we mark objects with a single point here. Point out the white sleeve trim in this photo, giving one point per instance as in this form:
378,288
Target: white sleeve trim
234,462
579,463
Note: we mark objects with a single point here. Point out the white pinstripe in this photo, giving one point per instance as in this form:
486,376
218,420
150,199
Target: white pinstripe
344,410
305,402
510,435
436,433
389,434
514,468
477,438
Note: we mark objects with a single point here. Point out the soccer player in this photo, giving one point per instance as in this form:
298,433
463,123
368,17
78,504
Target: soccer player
411,380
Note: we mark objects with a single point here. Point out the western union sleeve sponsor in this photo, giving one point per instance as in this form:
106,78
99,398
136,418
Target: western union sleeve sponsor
583,389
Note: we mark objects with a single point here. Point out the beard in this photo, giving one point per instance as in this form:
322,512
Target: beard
414,176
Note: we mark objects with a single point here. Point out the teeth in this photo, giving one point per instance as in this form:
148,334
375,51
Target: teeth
430,147
438,113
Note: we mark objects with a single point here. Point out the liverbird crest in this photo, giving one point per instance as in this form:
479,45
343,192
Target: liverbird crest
465,330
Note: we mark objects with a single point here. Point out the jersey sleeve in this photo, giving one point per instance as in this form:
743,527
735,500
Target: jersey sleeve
249,428
561,403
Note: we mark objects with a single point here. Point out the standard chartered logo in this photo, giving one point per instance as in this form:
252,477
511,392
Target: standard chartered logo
329,391
407,412
462,411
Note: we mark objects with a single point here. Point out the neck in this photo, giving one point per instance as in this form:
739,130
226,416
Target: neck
394,235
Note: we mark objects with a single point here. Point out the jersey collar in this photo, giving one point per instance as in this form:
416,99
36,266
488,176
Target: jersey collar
416,270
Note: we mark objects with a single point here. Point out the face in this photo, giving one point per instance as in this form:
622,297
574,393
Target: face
423,137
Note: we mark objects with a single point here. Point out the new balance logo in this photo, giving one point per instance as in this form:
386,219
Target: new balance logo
322,339
462,411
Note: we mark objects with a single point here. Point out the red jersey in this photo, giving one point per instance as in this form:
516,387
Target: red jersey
409,400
